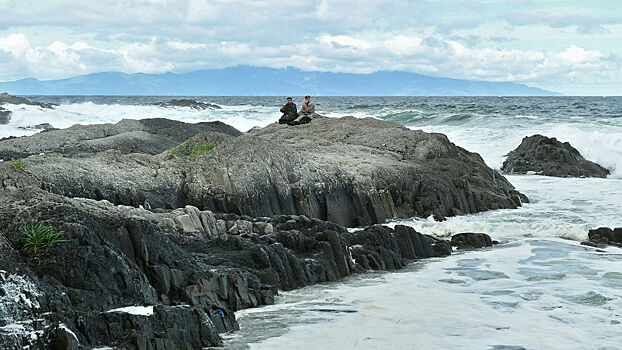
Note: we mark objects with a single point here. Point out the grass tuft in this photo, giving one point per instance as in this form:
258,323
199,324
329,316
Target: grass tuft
40,237
18,165
200,149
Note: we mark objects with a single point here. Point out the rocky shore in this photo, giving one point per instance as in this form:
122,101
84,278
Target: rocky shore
166,228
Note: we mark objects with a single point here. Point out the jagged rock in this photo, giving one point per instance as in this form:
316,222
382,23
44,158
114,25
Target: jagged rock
471,240
15,100
193,268
149,136
187,103
5,116
550,157
604,236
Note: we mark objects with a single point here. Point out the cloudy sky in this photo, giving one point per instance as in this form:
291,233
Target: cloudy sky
573,47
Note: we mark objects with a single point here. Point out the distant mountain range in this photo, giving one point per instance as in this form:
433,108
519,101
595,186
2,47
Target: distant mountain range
260,81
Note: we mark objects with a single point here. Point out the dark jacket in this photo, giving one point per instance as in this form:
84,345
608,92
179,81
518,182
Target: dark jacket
290,112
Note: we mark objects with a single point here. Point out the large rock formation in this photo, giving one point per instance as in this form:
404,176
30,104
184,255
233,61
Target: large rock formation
128,277
172,276
350,171
15,100
550,157
5,116
187,103
149,136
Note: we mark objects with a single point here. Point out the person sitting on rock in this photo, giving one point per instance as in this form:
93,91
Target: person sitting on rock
307,113
290,112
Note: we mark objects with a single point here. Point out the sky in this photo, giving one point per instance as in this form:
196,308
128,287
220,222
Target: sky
567,46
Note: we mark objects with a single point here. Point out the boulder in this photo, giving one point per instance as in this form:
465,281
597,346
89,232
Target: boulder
149,136
471,240
187,103
604,236
550,157
15,100
5,116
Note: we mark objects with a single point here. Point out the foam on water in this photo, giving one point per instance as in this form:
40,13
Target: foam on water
532,294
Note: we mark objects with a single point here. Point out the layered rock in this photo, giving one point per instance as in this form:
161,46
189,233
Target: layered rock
148,136
350,171
131,278
187,103
15,100
550,157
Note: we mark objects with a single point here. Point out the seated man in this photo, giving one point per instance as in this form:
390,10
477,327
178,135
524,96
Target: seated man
290,112
306,114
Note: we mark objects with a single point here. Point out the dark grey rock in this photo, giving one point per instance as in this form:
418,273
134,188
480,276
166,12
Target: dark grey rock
550,157
354,172
605,236
187,103
351,171
471,240
43,126
5,116
15,100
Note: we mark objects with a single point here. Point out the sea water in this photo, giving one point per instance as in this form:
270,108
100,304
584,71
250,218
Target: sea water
538,289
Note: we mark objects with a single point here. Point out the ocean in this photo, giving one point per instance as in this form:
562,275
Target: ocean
538,289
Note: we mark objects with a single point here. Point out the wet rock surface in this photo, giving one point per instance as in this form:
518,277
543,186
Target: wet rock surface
550,157
187,103
16,100
5,116
133,278
604,236
471,240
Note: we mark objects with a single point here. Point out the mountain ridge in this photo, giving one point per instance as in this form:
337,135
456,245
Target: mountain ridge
262,81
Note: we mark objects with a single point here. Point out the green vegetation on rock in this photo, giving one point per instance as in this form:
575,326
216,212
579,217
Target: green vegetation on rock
18,165
40,237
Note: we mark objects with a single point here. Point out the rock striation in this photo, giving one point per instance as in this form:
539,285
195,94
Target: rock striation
187,103
15,100
353,172
550,157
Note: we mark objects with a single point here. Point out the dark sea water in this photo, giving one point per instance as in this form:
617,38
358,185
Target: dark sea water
539,289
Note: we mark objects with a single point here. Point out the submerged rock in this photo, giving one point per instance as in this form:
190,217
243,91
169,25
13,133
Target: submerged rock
43,126
187,103
471,240
550,157
15,100
5,116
